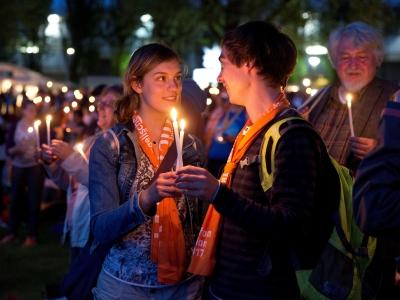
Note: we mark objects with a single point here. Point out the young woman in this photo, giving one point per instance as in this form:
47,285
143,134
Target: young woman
151,225
26,175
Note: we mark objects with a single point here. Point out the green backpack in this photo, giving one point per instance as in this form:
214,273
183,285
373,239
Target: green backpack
342,264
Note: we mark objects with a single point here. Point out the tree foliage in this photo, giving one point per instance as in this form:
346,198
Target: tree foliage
21,21
103,33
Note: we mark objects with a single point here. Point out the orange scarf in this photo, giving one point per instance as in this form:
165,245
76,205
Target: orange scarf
167,238
203,257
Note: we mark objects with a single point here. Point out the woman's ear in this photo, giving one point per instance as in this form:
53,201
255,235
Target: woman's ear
136,86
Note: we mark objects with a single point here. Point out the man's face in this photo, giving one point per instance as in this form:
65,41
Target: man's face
235,79
355,65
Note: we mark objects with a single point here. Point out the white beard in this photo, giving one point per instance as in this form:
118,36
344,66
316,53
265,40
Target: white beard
354,87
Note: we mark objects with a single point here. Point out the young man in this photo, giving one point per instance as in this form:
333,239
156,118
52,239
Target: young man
257,230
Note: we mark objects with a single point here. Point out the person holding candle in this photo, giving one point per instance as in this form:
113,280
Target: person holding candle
133,210
356,51
250,251
67,165
27,175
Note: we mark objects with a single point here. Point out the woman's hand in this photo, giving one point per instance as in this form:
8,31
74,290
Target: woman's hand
197,182
47,155
61,149
164,186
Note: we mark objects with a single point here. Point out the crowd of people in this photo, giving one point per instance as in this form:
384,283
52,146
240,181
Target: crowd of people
238,203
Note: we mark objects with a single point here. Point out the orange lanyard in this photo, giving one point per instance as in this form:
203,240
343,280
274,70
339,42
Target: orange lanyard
146,143
249,133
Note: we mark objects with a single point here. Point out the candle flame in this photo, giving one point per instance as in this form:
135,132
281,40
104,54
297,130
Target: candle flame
37,123
30,129
174,114
349,99
48,118
182,124
79,147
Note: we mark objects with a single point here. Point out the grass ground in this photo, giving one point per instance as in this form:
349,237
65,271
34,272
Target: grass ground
24,272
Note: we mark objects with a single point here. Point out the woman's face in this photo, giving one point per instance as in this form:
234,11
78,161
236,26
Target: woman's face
105,110
161,88
29,113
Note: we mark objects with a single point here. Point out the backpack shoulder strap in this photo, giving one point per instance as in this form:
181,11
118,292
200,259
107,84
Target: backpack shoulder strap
268,146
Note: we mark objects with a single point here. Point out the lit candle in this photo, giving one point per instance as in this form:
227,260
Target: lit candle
182,125
174,115
349,99
79,148
36,125
48,120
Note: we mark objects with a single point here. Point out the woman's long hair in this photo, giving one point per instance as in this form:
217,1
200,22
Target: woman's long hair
142,61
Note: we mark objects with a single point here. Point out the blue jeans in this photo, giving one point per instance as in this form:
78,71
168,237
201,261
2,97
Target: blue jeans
110,288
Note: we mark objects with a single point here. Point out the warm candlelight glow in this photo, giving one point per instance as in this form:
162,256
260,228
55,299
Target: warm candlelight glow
174,114
48,120
30,129
349,99
36,125
6,85
182,124
79,148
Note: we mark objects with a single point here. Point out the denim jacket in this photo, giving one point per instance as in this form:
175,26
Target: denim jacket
114,210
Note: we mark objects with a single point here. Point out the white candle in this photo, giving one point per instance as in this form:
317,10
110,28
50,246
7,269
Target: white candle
36,125
79,148
182,125
174,115
349,99
48,120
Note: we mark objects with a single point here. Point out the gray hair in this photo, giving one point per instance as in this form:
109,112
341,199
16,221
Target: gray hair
362,35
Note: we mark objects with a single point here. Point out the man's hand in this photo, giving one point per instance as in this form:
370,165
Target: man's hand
197,182
361,146
61,149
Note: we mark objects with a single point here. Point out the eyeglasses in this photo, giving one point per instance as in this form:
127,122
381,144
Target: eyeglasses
104,104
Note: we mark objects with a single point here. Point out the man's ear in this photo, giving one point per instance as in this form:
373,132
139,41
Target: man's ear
136,86
249,65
